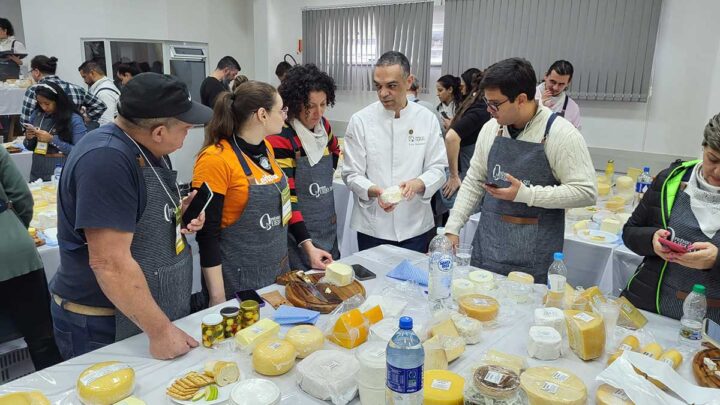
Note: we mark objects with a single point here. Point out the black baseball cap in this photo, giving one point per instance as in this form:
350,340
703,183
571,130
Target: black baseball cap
154,95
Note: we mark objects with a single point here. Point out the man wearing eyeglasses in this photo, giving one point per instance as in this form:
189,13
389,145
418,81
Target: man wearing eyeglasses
529,165
551,92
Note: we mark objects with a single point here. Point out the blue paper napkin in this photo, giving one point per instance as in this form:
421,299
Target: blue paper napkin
407,272
287,315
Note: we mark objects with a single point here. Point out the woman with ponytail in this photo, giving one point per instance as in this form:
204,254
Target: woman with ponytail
450,96
243,244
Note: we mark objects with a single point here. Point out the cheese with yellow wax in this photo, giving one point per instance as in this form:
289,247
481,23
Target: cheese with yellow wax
520,277
609,395
586,333
442,387
374,314
105,383
306,339
351,329
24,398
478,306
553,386
630,342
672,357
246,339
339,274
630,317
653,350
273,357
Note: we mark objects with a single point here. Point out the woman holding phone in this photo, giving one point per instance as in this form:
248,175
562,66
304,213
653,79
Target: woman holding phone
683,206
55,127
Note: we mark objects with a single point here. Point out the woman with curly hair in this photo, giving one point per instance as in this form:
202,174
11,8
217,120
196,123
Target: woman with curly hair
308,153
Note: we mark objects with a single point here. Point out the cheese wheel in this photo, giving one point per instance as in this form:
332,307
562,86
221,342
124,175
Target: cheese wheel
339,274
544,343
483,280
672,357
520,277
24,398
586,334
462,287
442,387
609,395
553,317
603,189
105,383
306,339
630,342
552,386
274,357
625,183
478,306
653,350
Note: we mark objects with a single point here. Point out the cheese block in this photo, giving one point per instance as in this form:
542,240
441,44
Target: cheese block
105,383
444,328
454,346
630,317
625,184
553,317
469,329
224,372
615,204
544,343
391,195
442,387
24,398
611,225
246,339
653,350
273,357
351,329
603,189
672,357
609,395
306,339
509,361
483,279
374,314
520,277
581,225
586,333
553,386
329,375
339,274
478,306
592,297
462,287
435,355
630,342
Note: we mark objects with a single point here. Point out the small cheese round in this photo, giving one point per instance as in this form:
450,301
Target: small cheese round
24,398
653,350
306,339
105,383
462,287
550,316
520,277
274,357
609,395
672,357
544,343
478,306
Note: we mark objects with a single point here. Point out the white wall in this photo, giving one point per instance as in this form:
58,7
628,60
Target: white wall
686,76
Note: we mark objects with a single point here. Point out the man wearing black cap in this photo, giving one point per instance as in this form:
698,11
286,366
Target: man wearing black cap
124,262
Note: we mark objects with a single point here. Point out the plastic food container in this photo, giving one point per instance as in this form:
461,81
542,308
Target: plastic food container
255,391
373,365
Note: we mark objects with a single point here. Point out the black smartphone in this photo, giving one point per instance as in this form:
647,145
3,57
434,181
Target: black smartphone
245,295
362,273
198,204
444,115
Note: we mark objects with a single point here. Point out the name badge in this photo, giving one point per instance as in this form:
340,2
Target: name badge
179,240
41,148
286,205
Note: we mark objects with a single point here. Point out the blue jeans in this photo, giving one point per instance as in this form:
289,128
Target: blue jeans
417,243
77,334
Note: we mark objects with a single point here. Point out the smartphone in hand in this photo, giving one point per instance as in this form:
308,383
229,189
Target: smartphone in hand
198,204
673,246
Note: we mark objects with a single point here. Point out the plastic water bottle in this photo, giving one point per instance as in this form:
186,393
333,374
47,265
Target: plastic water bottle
691,323
405,361
557,276
643,183
440,267
56,175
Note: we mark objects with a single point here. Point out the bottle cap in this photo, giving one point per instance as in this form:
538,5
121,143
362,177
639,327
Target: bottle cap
406,323
440,230
558,256
611,161
646,169
699,288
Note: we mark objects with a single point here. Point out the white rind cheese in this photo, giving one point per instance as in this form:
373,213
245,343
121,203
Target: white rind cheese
544,343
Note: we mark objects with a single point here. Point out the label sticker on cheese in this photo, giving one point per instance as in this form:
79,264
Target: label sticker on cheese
303,331
625,346
441,385
560,376
669,362
626,308
618,393
584,317
493,377
275,345
331,366
91,377
480,301
550,387
257,329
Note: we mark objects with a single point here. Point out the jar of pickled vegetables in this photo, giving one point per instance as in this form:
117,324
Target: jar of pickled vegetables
250,312
231,320
212,330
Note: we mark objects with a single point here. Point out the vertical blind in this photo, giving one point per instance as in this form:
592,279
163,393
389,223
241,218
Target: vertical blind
609,42
346,42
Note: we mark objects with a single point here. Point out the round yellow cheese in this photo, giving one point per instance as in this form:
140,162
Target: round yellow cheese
551,385
630,342
653,350
478,306
672,357
462,287
609,395
520,277
105,383
442,387
306,339
24,398
274,357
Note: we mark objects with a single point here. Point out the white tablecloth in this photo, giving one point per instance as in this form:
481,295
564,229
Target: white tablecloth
58,382
11,99
23,161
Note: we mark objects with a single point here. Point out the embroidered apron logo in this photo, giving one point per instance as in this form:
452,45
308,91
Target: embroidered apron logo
267,179
267,222
416,140
317,190
169,213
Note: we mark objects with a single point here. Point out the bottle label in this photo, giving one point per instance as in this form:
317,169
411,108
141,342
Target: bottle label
445,263
404,380
641,187
690,334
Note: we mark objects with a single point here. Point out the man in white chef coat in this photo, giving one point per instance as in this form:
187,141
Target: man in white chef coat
393,142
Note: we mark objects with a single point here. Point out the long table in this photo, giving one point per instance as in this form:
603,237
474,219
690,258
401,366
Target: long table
58,382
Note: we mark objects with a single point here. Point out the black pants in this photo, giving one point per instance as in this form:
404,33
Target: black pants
26,301
417,243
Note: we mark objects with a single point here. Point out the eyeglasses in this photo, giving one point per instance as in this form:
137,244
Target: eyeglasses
283,112
495,106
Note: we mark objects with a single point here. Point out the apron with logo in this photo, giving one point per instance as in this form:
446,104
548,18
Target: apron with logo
8,68
254,248
169,275
314,190
513,236
43,166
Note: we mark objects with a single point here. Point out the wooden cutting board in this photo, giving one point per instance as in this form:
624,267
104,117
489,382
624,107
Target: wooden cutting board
703,375
300,295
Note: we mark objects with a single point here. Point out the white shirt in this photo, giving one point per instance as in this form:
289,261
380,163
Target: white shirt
7,44
569,160
110,96
383,150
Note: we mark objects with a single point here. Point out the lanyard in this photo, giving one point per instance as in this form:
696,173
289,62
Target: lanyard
42,119
156,174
